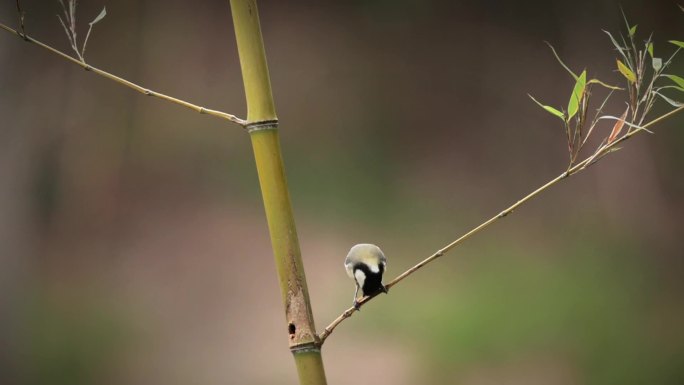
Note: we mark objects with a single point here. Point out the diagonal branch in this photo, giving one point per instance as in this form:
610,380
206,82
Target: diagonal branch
604,150
126,83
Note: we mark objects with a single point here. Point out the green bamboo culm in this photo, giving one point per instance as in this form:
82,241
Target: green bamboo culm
263,130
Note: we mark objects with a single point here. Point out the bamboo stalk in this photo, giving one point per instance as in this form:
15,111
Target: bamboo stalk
263,128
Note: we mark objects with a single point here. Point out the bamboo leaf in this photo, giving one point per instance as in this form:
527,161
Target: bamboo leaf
670,88
596,81
676,79
657,63
632,125
674,103
678,43
618,126
560,61
620,48
549,108
626,72
99,17
632,31
649,48
577,94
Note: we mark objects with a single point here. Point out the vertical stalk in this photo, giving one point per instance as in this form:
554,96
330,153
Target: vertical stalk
263,129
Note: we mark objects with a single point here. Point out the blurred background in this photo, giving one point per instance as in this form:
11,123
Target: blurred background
133,243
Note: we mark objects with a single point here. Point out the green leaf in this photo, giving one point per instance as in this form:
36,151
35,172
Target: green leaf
549,108
620,48
577,95
632,31
626,72
649,48
596,81
678,43
674,103
626,123
624,17
99,17
676,79
671,87
657,63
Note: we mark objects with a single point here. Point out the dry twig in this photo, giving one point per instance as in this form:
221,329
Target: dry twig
129,84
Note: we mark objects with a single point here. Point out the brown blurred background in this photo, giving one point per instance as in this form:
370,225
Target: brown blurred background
134,249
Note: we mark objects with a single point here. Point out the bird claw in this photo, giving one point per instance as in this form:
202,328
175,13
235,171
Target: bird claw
357,307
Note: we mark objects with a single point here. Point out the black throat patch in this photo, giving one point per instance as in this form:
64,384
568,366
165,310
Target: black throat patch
373,282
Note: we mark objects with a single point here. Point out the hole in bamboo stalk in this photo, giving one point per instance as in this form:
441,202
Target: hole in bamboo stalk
291,328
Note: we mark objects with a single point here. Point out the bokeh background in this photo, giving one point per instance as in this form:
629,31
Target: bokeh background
133,244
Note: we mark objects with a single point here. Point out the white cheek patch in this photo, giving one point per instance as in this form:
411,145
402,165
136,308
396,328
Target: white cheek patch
350,270
360,277
374,268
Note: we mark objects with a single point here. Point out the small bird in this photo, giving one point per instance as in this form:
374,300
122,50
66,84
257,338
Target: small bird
365,264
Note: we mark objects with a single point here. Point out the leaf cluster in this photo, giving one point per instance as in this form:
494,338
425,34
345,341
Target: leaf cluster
643,73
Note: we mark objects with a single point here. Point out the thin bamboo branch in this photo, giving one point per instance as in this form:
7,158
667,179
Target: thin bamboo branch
126,83
85,41
573,170
21,19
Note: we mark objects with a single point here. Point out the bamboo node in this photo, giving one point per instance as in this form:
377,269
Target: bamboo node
261,125
309,347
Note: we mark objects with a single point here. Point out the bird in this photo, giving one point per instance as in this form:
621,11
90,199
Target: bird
365,264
